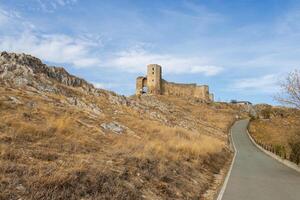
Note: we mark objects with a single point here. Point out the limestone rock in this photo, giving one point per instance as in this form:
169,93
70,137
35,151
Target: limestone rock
14,100
117,99
22,69
81,103
114,127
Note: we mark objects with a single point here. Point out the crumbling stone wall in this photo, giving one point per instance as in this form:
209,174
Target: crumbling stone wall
157,86
141,83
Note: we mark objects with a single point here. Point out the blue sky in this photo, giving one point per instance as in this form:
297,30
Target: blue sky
241,48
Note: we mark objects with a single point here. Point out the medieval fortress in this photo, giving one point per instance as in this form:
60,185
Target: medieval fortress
154,84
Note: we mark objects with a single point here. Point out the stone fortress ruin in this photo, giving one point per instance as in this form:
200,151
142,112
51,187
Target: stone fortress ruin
155,85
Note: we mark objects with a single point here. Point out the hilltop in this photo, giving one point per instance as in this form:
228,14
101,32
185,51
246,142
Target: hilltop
61,138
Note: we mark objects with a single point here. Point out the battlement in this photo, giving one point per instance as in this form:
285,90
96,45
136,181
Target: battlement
155,85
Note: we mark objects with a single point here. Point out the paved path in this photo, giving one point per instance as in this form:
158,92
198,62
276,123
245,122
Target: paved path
256,176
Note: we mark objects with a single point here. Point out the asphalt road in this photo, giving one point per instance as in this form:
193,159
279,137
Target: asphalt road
256,176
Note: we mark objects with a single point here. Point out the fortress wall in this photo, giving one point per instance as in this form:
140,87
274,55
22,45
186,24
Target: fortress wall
202,92
177,89
185,90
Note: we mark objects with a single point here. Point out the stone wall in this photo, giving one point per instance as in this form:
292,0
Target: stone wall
185,90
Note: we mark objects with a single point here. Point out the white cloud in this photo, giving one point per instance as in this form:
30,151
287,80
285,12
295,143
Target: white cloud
111,85
78,52
52,48
267,83
136,60
21,36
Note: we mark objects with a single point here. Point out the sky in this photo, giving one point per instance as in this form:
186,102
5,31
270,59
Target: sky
242,49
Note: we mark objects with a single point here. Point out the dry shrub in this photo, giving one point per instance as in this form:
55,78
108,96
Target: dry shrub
295,149
9,153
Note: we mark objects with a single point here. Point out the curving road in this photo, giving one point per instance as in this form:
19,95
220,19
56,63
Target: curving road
256,176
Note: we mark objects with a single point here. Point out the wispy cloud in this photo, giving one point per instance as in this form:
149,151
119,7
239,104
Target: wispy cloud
267,84
52,5
20,35
8,16
57,48
195,13
289,23
3,18
135,61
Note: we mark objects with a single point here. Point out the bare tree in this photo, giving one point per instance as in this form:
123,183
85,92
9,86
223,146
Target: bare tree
290,90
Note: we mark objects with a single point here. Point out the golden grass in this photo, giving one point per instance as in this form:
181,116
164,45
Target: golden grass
60,152
177,143
279,130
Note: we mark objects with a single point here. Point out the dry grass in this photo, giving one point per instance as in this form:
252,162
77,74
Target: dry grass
172,143
56,151
280,129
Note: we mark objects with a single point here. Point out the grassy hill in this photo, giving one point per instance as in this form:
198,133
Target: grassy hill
61,138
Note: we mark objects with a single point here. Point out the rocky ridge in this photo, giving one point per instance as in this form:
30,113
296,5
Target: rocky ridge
22,69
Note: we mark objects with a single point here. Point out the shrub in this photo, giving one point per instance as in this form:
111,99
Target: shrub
280,150
295,152
266,113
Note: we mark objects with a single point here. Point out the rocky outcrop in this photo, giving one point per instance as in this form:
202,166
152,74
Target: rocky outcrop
22,69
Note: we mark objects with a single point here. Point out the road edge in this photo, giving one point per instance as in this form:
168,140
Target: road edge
221,192
274,156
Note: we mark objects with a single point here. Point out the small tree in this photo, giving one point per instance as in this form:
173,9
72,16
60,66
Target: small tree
290,94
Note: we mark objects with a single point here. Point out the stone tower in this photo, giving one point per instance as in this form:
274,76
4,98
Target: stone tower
154,80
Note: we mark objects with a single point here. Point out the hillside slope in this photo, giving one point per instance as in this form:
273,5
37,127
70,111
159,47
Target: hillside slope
61,138
279,129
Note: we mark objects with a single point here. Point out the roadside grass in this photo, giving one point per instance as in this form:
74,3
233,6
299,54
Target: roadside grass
172,143
278,130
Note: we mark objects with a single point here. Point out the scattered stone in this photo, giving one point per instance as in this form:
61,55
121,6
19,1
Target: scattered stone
80,103
21,188
31,104
14,100
114,127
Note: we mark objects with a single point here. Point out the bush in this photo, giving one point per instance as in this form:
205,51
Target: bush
266,113
280,150
295,152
